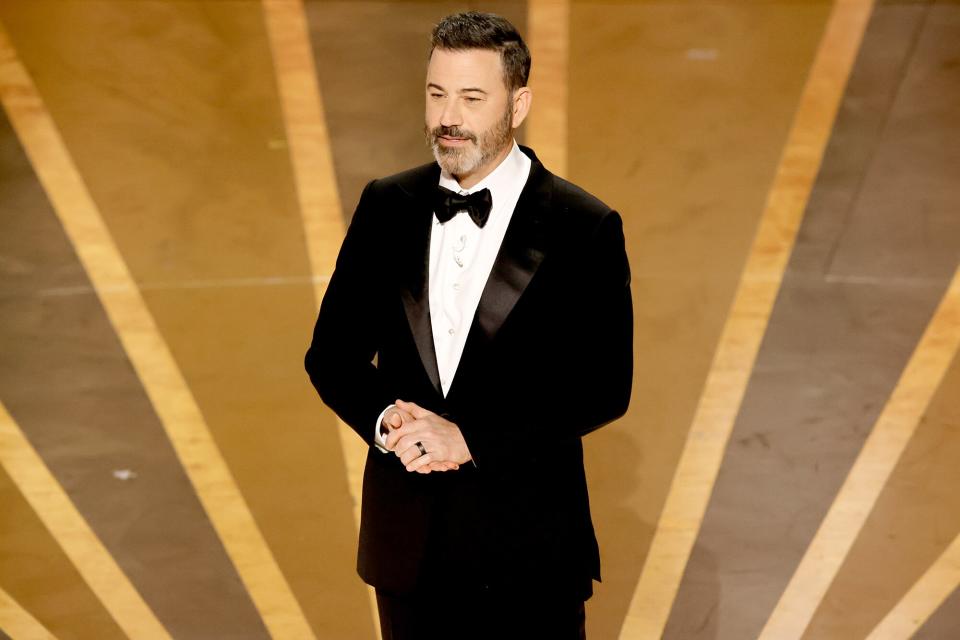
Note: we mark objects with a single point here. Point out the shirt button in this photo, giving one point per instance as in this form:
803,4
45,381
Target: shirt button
450,331
456,286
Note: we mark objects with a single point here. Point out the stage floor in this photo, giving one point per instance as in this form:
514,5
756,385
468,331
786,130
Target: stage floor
175,181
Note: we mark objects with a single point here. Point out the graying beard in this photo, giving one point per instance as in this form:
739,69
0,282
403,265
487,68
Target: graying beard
444,160
456,155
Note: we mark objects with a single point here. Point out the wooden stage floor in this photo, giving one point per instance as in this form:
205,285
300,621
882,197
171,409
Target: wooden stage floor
175,180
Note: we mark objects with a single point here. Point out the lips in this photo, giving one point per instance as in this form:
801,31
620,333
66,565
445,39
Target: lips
451,136
451,141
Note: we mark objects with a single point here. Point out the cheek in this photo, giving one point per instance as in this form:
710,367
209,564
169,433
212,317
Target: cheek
433,112
480,125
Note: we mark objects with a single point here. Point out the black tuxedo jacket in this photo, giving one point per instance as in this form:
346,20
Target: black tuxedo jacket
548,359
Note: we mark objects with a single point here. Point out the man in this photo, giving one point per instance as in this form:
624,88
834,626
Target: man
495,297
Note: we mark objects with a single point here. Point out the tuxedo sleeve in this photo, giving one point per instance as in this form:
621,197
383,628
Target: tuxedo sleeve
346,336
588,379
596,364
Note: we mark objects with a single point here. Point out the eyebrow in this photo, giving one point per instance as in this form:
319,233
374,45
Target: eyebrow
433,85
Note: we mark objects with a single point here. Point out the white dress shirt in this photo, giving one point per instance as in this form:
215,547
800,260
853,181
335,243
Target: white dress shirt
461,257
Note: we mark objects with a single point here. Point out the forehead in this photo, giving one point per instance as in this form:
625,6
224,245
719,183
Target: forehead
459,69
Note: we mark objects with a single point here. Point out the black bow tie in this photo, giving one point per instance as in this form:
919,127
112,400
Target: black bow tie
449,203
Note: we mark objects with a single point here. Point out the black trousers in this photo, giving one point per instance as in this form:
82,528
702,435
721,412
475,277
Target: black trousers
480,614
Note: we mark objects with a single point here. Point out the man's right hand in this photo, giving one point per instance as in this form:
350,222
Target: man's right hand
394,418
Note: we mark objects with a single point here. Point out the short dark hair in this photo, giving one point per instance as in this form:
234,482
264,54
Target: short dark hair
476,30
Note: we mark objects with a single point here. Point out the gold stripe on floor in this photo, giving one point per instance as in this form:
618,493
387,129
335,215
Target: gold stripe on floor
307,136
548,37
923,598
16,622
59,515
888,438
313,169
148,353
746,324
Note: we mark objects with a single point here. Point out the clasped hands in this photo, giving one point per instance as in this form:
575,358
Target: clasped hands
410,425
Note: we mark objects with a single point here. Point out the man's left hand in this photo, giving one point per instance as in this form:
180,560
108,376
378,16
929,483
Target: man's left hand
440,438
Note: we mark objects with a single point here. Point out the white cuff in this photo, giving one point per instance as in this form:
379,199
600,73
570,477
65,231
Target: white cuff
378,439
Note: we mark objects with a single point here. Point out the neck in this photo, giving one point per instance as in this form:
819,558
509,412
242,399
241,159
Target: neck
467,180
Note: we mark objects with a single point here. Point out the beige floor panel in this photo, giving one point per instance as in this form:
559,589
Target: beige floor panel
685,145
74,535
311,157
924,598
17,622
183,105
833,353
915,519
894,429
36,573
944,622
283,452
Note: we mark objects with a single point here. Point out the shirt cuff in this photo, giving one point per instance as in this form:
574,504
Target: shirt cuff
379,436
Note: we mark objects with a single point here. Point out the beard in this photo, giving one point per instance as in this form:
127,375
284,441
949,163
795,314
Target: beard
459,161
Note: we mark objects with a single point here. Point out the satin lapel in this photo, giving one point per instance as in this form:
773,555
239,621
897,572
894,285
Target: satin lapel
520,253
415,278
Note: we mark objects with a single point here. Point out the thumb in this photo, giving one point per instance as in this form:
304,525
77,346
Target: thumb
415,410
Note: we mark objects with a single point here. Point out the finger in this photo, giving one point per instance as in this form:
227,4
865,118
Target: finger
435,466
408,428
409,455
392,439
398,418
415,409
409,434
420,461
388,418
413,447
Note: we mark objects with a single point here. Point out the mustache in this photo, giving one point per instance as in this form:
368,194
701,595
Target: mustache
451,132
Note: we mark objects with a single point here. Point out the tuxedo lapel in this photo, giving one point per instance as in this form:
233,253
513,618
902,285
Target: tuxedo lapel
521,253
415,278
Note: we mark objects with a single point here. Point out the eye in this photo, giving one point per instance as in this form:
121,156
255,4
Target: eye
436,96
471,99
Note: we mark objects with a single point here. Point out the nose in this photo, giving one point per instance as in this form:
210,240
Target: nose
451,116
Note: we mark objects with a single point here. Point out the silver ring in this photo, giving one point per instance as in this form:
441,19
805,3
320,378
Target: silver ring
423,451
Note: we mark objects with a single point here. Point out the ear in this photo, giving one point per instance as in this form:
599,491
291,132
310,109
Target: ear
522,98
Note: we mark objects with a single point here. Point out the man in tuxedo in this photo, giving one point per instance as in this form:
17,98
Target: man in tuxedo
478,324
